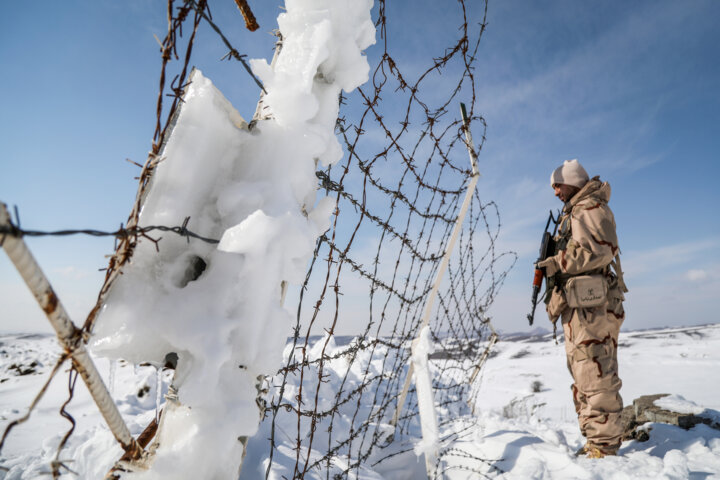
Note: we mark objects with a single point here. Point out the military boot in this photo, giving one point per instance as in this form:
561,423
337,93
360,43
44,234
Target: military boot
582,450
596,451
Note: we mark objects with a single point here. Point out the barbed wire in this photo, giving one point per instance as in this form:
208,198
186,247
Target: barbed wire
57,464
176,17
398,191
120,233
193,12
41,393
232,52
397,203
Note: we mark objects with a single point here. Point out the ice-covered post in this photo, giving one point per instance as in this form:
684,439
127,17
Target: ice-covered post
483,358
69,336
420,374
254,187
421,349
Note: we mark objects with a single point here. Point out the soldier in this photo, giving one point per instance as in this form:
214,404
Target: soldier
587,294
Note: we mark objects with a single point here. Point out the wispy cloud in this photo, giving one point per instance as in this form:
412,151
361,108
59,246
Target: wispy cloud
582,76
697,275
670,301
605,95
685,256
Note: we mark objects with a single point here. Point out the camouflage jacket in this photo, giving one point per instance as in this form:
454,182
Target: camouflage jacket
587,244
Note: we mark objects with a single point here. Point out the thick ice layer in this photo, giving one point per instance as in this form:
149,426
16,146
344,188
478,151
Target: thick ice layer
321,54
219,308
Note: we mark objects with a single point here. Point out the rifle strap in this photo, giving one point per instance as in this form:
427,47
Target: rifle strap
619,273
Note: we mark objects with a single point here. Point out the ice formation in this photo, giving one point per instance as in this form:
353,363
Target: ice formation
219,308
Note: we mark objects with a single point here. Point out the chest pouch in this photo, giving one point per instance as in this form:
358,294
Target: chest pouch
586,291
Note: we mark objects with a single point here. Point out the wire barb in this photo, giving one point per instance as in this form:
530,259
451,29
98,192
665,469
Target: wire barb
121,233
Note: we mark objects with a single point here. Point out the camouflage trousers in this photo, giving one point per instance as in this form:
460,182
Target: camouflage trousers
591,336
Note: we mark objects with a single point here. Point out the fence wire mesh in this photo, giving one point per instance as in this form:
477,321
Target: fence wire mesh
398,190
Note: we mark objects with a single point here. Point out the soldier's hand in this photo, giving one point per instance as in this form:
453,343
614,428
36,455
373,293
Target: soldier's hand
550,266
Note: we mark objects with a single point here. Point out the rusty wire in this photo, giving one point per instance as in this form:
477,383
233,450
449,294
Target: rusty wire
35,401
459,453
120,234
251,24
57,464
169,47
192,12
172,47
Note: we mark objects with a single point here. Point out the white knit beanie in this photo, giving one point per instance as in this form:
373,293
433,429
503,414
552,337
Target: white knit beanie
570,173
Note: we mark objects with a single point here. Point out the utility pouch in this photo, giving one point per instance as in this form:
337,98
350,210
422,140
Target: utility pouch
586,291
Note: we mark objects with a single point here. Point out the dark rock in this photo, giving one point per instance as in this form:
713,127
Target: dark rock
647,411
644,410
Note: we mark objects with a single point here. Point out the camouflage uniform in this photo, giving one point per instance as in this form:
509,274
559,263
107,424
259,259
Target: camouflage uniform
587,244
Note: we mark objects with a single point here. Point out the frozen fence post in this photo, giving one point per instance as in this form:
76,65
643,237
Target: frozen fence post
475,176
475,388
69,336
426,399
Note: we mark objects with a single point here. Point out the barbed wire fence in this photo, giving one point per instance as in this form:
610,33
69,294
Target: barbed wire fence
399,191
190,13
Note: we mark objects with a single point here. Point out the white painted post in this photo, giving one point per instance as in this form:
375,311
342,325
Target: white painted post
475,388
426,404
426,399
68,335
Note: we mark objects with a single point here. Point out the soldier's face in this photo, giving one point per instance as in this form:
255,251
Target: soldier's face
564,192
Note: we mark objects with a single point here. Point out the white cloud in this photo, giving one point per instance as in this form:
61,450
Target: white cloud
696,275
668,257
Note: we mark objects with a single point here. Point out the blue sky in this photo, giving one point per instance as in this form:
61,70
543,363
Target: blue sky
628,88
631,90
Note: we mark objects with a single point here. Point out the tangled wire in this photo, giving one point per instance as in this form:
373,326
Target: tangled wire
398,191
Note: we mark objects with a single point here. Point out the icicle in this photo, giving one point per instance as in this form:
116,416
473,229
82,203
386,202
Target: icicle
111,377
158,394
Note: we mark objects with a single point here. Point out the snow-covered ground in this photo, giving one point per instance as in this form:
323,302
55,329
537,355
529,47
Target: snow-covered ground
524,426
534,434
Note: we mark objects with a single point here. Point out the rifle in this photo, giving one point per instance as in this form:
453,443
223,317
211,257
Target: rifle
547,248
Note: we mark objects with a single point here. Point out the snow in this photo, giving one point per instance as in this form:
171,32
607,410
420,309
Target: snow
535,434
219,309
677,403
520,432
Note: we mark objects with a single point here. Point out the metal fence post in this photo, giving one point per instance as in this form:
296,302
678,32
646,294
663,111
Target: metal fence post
427,396
69,336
